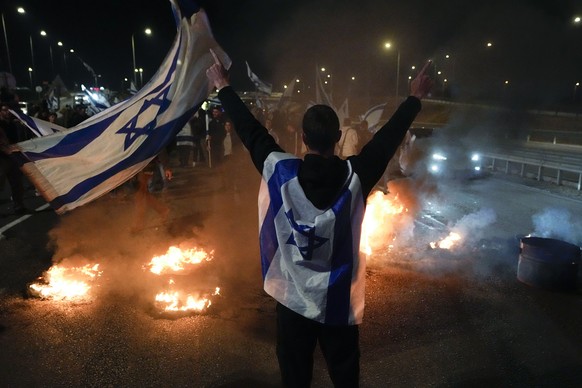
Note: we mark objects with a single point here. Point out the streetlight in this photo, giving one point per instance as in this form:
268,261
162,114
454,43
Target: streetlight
19,10
576,90
388,46
30,76
43,33
148,32
140,76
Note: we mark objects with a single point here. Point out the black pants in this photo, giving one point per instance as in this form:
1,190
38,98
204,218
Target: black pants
296,340
15,179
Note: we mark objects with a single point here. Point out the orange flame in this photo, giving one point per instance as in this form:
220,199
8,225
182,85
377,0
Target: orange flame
378,225
176,301
448,242
180,261
177,260
67,283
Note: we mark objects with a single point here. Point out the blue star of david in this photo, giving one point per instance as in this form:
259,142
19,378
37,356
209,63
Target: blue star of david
131,128
313,241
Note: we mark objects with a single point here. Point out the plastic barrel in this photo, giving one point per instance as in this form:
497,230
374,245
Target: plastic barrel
548,263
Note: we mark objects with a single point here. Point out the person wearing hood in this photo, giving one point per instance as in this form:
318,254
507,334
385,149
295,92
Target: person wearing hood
310,214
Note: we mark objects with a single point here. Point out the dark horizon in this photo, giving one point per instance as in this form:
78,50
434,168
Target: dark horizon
535,44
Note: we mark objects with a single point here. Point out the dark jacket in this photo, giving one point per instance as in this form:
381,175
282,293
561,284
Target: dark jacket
321,178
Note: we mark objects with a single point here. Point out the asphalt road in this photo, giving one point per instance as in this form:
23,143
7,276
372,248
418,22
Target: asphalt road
434,318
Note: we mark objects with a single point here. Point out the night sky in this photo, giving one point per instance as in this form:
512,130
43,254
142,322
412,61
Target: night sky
537,47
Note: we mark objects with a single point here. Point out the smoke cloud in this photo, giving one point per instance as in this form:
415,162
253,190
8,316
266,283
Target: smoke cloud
557,223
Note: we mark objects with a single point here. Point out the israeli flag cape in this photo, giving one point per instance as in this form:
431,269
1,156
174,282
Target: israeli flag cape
310,257
75,166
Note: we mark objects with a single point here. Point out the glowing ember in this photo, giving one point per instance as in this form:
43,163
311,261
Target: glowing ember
378,225
67,283
177,260
448,242
176,301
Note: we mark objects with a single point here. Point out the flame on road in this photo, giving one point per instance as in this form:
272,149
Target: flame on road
179,301
175,297
178,260
378,225
70,283
448,242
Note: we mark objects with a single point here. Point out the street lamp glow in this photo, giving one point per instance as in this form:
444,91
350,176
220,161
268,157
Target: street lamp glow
577,19
506,82
489,44
148,32
20,10
447,56
60,44
353,78
297,80
323,69
43,33
388,46
413,67
71,51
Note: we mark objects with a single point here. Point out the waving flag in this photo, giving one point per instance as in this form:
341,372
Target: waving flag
260,85
97,102
76,166
37,126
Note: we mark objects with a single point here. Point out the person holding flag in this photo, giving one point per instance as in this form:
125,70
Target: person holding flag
310,214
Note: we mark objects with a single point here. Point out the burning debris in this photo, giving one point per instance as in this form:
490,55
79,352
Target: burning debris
178,297
66,283
178,260
448,242
379,226
469,225
180,301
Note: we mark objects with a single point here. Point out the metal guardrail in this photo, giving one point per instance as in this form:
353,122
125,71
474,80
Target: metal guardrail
559,172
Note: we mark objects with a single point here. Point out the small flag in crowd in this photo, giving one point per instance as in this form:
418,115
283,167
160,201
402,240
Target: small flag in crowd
39,127
75,166
260,85
97,102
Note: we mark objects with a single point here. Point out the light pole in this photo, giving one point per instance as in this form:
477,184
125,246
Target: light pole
148,32
21,11
576,85
30,76
388,46
6,42
140,77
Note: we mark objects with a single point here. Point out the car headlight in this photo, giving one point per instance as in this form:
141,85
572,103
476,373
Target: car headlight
475,157
438,156
434,168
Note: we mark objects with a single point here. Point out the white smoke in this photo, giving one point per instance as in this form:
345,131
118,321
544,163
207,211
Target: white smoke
557,223
470,226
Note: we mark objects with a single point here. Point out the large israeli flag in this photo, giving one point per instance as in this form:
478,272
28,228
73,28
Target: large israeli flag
75,166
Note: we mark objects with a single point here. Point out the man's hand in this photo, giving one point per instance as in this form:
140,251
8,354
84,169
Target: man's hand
168,174
421,84
217,74
10,148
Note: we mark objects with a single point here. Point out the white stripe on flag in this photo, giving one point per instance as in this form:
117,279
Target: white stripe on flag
76,166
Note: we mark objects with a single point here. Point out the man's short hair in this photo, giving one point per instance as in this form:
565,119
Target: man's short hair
320,128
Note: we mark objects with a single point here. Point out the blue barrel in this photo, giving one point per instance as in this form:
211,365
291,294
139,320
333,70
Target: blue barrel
548,263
